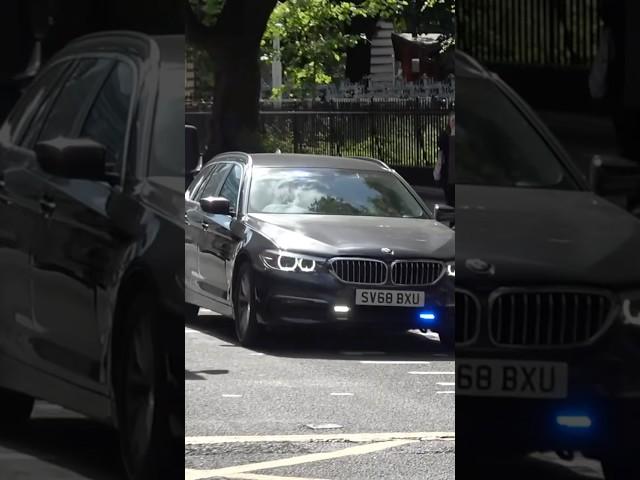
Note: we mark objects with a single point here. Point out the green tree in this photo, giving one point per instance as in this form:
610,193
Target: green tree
314,36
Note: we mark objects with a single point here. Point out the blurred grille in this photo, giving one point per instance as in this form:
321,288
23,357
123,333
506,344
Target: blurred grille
360,271
547,319
467,317
415,272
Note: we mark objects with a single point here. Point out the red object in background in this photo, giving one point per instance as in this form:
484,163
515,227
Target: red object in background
407,48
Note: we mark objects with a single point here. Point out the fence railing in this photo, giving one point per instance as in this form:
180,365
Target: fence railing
399,138
560,33
401,132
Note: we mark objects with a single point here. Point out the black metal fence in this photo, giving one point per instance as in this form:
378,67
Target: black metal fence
401,132
542,48
560,33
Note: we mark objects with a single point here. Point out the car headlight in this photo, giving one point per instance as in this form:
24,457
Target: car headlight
631,308
451,269
290,262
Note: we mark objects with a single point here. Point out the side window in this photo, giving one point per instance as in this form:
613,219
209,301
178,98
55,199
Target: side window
197,182
71,103
231,187
216,178
34,102
108,116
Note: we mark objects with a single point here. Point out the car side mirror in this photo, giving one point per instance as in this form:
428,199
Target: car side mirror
215,206
610,175
444,214
79,158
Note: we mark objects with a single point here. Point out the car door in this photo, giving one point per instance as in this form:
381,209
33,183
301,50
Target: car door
193,226
79,247
199,221
19,212
218,241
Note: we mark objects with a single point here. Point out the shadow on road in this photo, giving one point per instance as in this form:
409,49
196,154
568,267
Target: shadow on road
77,445
329,345
202,374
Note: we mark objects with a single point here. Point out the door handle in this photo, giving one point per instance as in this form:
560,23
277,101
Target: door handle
186,219
205,226
47,205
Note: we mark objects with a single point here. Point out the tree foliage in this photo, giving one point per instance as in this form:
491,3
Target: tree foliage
314,36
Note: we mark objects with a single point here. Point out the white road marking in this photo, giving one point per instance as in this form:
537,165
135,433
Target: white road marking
321,437
446,384
256,354
432,373
231,395
393,362
341,394
299,460
446,392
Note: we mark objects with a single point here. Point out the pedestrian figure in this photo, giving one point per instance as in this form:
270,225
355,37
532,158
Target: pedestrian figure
444,172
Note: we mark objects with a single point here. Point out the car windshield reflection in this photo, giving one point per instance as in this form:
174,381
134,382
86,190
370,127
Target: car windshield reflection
497,145
326,191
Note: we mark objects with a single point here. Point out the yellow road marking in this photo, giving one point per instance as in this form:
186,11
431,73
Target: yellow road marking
287,462
257,476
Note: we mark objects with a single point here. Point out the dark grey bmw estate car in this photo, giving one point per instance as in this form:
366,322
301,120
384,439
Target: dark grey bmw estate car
548,302
279,239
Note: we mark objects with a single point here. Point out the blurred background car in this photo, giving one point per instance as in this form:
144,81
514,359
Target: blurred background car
91,296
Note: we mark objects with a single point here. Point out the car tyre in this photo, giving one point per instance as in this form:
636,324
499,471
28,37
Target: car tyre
248,330
15,409
143,395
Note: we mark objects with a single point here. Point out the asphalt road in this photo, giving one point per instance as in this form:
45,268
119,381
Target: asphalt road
328,406
317,392
58,445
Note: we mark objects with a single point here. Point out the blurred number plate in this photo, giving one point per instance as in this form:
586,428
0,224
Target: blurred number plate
390,298
506,378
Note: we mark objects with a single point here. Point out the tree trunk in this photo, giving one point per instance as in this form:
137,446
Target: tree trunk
234,46
234,122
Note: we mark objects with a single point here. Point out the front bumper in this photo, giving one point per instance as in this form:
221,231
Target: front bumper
289,299
603,385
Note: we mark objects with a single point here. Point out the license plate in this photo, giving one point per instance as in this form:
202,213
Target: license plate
390,298
506,378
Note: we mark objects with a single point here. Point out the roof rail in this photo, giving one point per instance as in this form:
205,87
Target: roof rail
243,156
375,160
